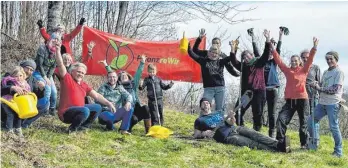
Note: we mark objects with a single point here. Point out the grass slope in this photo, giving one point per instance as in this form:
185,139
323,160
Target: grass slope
47,145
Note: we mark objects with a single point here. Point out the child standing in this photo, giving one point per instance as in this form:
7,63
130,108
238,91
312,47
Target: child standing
154,87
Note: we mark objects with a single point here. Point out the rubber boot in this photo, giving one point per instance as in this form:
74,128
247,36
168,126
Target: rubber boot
147,124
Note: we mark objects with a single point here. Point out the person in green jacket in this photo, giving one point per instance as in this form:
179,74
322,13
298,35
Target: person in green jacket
141,112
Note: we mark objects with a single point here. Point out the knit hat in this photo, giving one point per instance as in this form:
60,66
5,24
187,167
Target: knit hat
334,54
204,99
28,62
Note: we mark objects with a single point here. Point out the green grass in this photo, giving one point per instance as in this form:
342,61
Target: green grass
48,145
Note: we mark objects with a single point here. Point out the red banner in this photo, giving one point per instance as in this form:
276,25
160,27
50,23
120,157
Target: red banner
124,54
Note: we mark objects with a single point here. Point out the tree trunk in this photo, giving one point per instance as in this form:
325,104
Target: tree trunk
54,15
123,6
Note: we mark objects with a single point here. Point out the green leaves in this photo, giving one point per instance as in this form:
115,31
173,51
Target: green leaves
113,44
119,62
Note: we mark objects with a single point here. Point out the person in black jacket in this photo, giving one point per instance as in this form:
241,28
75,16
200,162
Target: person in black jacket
209,90
154,86
271,81
253,79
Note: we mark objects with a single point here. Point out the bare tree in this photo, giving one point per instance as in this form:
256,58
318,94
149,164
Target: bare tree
54,14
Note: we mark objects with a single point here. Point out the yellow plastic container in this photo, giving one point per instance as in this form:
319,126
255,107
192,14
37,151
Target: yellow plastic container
26,105
160,132
183,44
11,104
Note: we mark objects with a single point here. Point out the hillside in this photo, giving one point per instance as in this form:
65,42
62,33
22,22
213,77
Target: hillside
48,145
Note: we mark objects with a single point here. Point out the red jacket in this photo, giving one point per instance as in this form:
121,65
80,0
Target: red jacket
295,77
66,37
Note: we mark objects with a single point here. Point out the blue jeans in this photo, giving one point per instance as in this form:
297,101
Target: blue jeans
81,115
332,112
108,118
217,93
42,106
50,90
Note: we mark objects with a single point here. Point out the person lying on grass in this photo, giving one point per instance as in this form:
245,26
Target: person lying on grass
213,125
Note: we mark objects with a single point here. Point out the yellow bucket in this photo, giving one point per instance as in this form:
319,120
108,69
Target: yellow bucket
26,105
183,44
160,132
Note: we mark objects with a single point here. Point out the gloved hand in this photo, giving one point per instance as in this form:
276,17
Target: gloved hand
39,23
250,31
285,29
82,21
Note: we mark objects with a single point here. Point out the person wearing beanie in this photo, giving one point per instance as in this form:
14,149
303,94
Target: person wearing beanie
66,38
331,91
37,87
46,64
223,129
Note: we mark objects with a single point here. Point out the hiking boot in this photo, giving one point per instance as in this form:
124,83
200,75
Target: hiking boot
72,129
334,154
304,147
284,145
125,132
18,132
52,111
147,124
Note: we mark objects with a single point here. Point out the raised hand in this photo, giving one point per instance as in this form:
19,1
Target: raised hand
143,58
202,33
267,34
39,23
234,45
315,42
103,62
82,21
90,46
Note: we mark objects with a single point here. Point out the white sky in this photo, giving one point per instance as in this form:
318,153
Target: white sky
328,21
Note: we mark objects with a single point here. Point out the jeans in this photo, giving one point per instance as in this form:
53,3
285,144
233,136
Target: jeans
50,90
286,114
217,93
155,119
332,112
81,115
108,118
242,136
11,117
257,104
42,106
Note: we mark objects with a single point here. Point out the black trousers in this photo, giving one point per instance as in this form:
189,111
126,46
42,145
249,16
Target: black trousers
286,114
140,113
242,136
257,104
155,119
271,99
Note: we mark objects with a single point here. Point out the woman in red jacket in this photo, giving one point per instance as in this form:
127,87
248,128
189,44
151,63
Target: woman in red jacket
66,38
295,93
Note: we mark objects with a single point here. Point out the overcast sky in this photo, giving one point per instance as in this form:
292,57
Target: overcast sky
328,21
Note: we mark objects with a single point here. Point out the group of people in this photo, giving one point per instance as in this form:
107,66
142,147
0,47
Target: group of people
117,99
306,92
